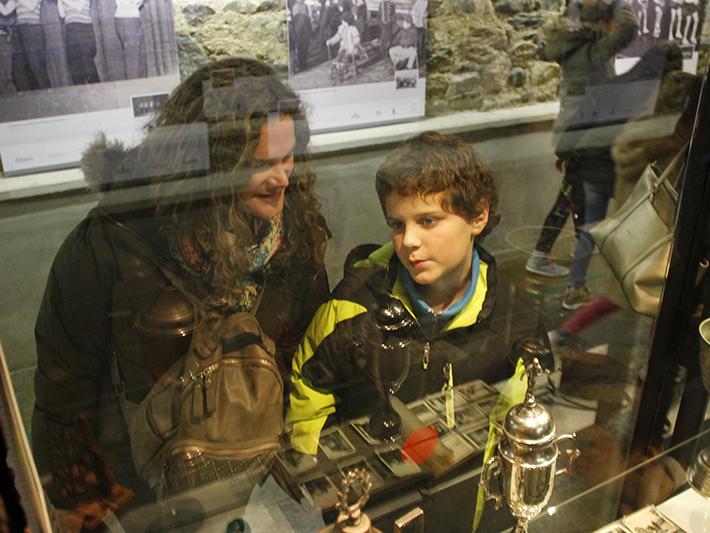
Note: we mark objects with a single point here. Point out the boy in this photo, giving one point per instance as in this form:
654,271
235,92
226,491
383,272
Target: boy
403,48
439,198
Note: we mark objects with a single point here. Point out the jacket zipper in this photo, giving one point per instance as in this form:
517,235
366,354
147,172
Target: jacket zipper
425,357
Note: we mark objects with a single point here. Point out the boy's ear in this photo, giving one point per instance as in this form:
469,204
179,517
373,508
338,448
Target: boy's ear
478,224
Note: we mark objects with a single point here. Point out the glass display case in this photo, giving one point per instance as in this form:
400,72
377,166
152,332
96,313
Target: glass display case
355,253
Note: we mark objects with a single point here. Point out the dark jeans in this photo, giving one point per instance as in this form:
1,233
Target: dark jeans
130,34
421,44
29,61
570,199
81,50
385,37
595,206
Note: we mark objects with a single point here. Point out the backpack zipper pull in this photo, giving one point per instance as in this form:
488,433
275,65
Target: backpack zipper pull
198,398
425,357
209,393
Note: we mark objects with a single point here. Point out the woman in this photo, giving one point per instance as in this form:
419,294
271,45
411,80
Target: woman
231,210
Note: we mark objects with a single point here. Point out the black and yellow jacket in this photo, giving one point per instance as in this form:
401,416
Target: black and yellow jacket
330,369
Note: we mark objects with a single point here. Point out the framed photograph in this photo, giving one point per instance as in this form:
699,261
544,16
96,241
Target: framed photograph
474,391
487,404
360,425
437,402
296,463
457,444
320,491
470,415
476,435
398,462
68,81
335,444
441,428
353,73
614,527
650,520
362,464
422,411
406,79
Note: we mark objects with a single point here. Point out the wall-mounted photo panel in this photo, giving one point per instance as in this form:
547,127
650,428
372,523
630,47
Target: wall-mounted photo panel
358,62
71,69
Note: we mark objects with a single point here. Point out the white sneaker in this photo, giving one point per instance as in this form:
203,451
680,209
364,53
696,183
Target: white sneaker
543,266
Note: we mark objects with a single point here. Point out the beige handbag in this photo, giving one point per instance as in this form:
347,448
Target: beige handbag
636,239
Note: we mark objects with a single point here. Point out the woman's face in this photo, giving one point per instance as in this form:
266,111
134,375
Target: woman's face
264,193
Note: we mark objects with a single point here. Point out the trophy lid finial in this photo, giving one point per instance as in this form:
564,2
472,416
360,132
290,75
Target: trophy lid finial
533,370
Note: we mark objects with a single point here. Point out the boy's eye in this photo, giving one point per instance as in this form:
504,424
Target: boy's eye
427,222
396,225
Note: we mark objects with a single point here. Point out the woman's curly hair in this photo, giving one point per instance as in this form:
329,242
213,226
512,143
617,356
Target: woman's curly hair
199,150
432,163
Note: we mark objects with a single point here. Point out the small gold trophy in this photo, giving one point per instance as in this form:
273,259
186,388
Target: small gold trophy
352,497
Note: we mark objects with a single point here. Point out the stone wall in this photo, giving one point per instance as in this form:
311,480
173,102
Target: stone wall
482,54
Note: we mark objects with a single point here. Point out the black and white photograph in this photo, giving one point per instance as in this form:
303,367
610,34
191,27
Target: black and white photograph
147,104
487,404
650,520
422,411
406,79
66,59
438,402
441,428
615,527
475,390
350,60
335,444
458,446
476,435
352,42
296,463
321,491
469,415
398,462
360,425
665,21
362,464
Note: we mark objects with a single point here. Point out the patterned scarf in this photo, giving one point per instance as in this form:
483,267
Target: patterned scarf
193,254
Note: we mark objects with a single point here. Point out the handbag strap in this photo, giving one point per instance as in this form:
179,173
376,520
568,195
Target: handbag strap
671,174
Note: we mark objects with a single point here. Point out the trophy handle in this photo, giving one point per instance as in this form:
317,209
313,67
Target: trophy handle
491,470
571,451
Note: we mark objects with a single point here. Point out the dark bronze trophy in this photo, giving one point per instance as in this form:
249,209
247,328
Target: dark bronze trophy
388,364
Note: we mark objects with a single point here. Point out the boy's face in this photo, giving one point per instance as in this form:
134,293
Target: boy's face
434,245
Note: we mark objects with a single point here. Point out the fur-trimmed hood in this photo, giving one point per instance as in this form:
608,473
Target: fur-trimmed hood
100,161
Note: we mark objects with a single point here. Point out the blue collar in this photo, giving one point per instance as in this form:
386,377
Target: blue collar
427,317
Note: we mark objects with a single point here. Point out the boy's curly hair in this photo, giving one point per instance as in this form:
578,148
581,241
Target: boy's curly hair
432,163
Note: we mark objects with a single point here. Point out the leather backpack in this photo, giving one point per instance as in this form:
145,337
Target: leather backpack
217,412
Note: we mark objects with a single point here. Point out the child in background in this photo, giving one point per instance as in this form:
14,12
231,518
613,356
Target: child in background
403,49
347,36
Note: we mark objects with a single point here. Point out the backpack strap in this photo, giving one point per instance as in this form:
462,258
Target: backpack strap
133,241
245,323
206,340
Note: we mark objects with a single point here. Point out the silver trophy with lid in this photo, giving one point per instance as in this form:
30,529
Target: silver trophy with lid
522,472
